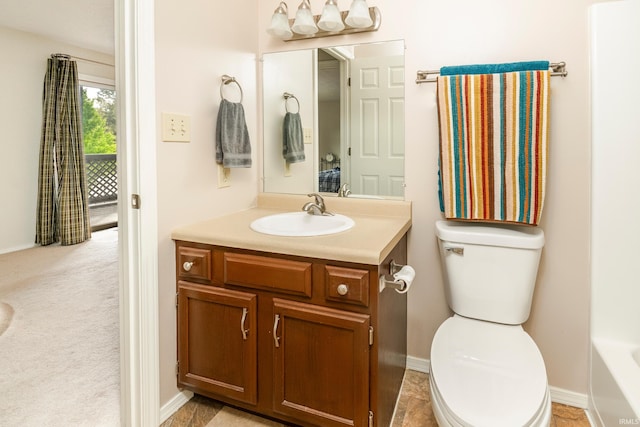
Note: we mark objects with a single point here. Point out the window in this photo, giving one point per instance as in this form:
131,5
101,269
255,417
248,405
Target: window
98,119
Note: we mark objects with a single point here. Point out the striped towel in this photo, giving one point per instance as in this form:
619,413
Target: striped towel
493,141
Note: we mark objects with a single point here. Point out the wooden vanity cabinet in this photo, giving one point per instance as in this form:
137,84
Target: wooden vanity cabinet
307,341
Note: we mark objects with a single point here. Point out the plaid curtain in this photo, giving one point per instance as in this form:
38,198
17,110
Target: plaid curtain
63,207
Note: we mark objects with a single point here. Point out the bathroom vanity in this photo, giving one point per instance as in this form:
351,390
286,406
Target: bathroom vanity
294,328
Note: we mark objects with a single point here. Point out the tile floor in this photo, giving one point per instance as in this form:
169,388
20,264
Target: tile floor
413,409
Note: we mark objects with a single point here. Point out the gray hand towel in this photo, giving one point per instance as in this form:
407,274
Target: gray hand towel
233,148
292,138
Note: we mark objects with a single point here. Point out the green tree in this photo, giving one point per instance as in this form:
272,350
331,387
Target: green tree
106,100
98,139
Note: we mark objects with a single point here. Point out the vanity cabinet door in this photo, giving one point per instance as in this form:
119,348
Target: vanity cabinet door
321,364
217,337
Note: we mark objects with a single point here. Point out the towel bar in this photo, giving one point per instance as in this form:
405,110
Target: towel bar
228,79
287,96
429,76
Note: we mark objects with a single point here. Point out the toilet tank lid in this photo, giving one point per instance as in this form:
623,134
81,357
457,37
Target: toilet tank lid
505,235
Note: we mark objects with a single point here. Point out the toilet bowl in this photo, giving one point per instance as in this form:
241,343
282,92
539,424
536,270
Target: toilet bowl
487,374
486,371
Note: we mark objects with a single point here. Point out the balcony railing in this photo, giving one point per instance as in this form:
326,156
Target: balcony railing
102,178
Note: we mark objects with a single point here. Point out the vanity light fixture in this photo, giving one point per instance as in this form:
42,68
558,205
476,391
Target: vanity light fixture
332,22
305,22
280,22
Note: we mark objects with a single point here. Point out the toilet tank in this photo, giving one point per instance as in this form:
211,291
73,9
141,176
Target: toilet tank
490,270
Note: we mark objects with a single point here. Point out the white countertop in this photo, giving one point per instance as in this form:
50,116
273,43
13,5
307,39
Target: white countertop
379,226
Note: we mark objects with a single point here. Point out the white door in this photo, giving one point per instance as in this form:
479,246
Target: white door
377,126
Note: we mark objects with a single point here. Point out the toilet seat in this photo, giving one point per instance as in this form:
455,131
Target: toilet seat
487,374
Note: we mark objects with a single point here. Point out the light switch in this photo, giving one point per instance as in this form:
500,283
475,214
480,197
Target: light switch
176,128
307,134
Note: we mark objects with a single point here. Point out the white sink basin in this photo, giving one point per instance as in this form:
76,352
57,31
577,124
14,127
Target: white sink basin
301,224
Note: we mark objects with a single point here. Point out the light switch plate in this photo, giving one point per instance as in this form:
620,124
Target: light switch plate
307,134
176,127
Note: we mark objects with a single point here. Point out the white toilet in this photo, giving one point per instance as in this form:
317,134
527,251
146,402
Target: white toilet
486,371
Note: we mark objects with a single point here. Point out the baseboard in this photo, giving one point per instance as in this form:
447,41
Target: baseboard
17,248
174,404
594,421
558,395
571,398
418,364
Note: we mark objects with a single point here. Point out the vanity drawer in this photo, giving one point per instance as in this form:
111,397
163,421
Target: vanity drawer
347,285
194,263
254,271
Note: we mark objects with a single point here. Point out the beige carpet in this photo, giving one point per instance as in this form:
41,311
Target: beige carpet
230,417
59,354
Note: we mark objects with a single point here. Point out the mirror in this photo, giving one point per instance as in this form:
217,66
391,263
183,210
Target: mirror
350,103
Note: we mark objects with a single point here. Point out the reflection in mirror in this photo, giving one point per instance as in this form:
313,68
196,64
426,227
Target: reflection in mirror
352,112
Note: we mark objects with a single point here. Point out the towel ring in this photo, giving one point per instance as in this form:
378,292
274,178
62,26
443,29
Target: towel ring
288,95
228,79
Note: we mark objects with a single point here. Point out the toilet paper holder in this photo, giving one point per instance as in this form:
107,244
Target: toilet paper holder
398,284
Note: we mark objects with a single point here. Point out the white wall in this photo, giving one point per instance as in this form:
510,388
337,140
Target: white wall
196,43
21,81
439,33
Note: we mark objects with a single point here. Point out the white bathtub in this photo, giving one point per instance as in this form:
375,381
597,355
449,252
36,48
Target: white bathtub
615,383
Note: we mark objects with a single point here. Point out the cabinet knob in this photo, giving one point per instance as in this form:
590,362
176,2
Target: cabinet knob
342,289
187,265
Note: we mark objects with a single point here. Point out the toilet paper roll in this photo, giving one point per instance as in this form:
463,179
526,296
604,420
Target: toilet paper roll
406,275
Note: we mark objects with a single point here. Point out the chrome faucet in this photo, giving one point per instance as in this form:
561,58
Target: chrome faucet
317,208
344,190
